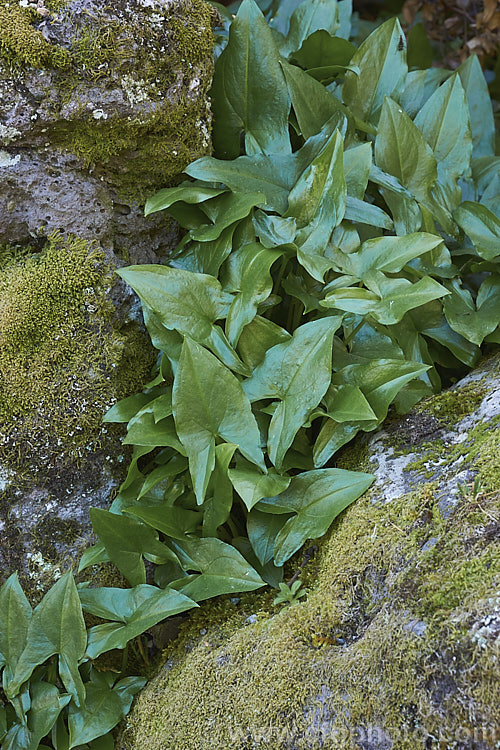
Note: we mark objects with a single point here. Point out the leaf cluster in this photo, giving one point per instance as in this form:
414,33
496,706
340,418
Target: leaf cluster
340,255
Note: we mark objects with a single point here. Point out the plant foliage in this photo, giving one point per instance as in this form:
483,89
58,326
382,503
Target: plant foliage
341,255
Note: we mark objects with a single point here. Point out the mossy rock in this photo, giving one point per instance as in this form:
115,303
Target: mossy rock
396,646
66,355
100,105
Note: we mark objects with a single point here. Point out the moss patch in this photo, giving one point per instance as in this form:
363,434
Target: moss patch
22,45
64,359
158,60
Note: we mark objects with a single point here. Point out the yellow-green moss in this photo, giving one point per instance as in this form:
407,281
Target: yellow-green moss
392,642
22,45
166,62
452,405
64,359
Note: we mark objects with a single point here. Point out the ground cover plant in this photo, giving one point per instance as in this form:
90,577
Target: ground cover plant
341,257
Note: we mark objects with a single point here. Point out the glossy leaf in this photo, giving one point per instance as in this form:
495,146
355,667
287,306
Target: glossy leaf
298,373
482,226
249,94
222,570
251,485
186,193
15,616
316,498
248,278
381,60
187,302
313,104
104,707
56,628
444,123
401,151
310,16
474,321
132,612
126,541
209,402
480,109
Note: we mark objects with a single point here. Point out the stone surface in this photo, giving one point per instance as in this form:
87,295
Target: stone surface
397,645
100,105
115,107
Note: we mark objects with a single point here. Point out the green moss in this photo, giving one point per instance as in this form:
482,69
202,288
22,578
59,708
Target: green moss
391,642
63,358
157,148
452,405
165,63
22,45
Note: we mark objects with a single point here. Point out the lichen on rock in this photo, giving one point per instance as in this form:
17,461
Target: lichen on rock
397,644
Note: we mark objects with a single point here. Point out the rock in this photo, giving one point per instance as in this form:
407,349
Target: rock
396,646
100,105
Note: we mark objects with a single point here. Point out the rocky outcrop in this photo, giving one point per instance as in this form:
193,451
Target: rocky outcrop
100,104
396,646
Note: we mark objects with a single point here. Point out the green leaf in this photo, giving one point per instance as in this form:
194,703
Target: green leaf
206,257
393,299
257,337
252,486
15,616
420,52
103,709
222,570
124,410
247,276
271,176
143,430
126,541
187,302
133,611
419,87
298,373
318,202
322,49
474,321
390,254
319,194
225,211
482,226
248,90
380,381
444,123
46,705
209,402
219,500
346,403
262,531
310,16
381,60
186,193
366,213
357,165
401,150
56,627
480,109
316,498
173,521
314,106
